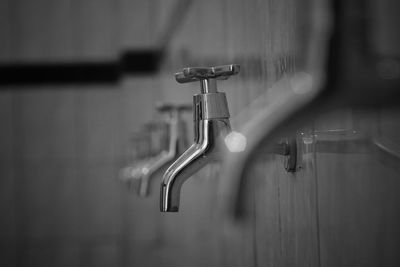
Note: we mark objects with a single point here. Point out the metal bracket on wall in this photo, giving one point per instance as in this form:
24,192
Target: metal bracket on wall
287,147
349,141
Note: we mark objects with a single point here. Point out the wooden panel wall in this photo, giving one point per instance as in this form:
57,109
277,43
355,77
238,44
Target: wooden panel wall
261,36
358,192
61,147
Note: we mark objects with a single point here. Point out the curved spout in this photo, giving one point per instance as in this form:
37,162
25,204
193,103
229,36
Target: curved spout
205,149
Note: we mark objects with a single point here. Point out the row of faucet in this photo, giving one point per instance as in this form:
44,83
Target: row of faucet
211,126
213,139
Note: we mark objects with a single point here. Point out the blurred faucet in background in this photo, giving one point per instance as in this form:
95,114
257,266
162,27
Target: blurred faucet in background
176,145
142,148
139,149
172,131
211,126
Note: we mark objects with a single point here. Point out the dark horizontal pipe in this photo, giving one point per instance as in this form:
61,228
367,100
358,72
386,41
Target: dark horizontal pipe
135,62
131,62
58,73
141,61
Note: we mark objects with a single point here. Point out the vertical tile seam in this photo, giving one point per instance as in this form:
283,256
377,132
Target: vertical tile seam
317,217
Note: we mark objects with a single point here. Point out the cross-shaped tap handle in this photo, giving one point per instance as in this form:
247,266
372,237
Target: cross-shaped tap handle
207,76
202,73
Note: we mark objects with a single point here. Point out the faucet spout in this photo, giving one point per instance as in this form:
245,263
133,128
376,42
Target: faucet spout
205,149
211,126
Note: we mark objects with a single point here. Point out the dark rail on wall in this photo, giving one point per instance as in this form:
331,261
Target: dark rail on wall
137,62
130,62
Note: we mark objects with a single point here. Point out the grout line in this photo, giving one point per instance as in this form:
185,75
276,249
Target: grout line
255,250
317,204
280,221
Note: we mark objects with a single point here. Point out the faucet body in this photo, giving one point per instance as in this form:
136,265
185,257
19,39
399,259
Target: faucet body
211,126
206,148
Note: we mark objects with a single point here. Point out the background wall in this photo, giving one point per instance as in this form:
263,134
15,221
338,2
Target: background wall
61,147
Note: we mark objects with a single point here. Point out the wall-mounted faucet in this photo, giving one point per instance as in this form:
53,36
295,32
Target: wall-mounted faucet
139,175
176,145
139,152
211,126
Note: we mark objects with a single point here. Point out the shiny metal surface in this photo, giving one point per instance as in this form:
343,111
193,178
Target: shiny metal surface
288,149
206,148
208,86
199,73
211,126
210,106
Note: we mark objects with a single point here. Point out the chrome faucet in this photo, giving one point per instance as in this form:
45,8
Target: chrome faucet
211,125
177,144
140,152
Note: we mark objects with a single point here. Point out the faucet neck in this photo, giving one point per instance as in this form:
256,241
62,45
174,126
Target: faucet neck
173,115
208,86
210,106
